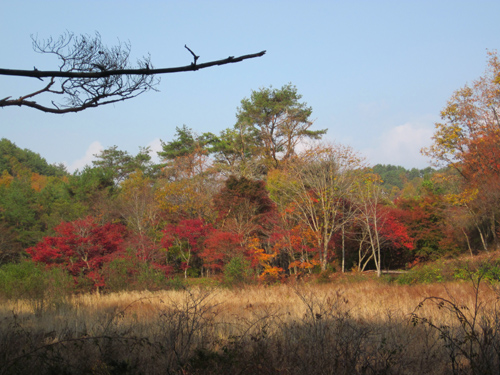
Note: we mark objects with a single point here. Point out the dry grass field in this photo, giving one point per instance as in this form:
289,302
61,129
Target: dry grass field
337,328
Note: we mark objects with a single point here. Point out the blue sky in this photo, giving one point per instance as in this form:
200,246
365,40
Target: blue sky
376,73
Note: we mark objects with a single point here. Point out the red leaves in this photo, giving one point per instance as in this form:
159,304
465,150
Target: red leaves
395,233
244,207
194,240
220,247
81,247
188,233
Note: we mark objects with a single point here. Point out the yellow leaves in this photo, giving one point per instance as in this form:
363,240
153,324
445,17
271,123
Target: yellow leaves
6,179
174,196
135,182
264,258
462,198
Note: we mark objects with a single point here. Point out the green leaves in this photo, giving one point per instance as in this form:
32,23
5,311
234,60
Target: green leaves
278,121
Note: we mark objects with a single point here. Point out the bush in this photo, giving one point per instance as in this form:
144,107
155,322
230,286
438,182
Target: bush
486,270
237,271
43,288
426,274
130,274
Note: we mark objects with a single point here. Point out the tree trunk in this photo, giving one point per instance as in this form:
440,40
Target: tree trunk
343,249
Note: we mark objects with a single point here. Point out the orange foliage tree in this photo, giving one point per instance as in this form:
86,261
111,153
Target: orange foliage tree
468,140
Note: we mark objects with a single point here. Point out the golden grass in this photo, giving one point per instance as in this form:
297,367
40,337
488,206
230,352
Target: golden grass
256,324
366,301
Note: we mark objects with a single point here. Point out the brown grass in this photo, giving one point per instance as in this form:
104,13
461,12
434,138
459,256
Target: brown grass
345,328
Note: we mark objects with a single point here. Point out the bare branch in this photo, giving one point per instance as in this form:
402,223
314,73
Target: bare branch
143,71
192,53
92,74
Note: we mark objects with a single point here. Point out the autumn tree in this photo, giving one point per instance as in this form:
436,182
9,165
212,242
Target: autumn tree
244,207
141,213
377,225
291,237
424,215
320,182
219,248
467,140
184,241
91,74
81,247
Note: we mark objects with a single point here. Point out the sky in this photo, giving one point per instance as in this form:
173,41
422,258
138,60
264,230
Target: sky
376,73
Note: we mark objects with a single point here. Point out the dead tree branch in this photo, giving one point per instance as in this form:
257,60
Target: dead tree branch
92,74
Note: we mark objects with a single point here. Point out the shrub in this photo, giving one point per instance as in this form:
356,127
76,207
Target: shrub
237,271
486,270
426,274
43,288
129,273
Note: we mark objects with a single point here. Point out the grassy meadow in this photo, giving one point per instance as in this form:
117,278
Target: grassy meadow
360,326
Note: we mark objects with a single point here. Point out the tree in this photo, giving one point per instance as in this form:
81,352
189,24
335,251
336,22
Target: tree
140,211
185,241
424,217
81,247
468,141
11,154
234,153
121,164
321,181
244,207
219,248
278,122
377,225
190,181
10,248
92,74
185,143
291,237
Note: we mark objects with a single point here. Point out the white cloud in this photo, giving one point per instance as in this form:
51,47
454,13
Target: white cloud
401,146
94,148
155,146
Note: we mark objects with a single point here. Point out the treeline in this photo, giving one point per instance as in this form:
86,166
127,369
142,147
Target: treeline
265,199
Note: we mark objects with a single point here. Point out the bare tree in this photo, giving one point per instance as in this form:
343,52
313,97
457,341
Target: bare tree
321,185
91,74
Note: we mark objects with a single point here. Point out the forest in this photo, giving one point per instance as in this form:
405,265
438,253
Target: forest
265,200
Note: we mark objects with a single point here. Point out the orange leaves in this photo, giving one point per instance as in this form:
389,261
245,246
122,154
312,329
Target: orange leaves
304,264
272,274
471,113
38,182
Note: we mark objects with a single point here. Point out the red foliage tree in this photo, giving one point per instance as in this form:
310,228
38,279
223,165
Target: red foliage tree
381,239
81,247
424,218
245,208
219,248
185,241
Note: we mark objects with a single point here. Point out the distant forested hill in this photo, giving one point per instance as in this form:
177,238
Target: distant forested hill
395,175
11,157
